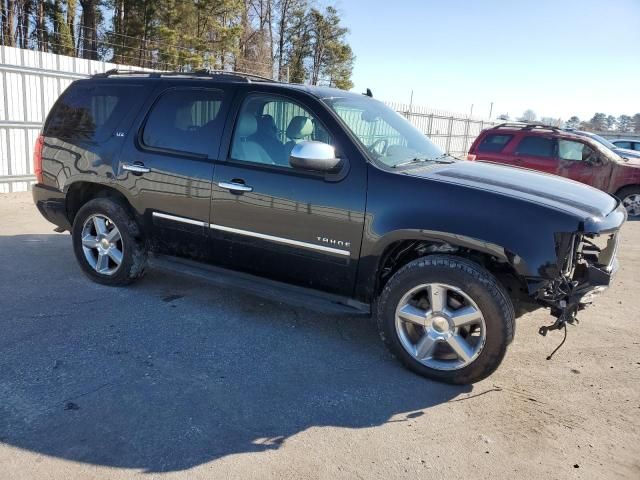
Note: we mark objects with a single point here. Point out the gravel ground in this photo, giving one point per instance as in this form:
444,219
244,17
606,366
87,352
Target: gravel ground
177,378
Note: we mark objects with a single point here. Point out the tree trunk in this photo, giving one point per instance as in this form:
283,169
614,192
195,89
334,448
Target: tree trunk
41,33
23,23
9,12
71,19
282,30
89,34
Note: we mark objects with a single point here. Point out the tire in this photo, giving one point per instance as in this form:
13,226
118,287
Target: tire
127,244
630,198
471,294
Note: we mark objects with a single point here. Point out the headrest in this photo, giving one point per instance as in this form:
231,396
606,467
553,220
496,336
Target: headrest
247,125
184,117
299,127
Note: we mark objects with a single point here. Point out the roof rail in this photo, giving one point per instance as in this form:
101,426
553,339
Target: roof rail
527,126
248,76
119,71
206,73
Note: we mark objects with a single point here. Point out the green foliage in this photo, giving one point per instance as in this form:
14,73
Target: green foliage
275,38
598,121
625,123
62,39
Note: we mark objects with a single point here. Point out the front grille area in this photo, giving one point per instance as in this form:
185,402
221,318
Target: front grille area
600,250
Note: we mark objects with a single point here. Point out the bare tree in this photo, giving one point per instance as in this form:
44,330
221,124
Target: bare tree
528,116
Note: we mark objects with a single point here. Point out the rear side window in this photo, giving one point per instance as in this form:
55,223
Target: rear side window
623,144
494,143
184,120
90,112
536,146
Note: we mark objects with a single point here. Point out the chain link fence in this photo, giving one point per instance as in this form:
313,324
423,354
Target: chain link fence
452,132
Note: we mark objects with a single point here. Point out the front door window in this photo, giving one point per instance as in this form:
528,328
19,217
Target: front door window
269,126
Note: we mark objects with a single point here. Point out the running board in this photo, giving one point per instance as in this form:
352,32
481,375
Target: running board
262,287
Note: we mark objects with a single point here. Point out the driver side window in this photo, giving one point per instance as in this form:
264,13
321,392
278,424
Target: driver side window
269,126
578,151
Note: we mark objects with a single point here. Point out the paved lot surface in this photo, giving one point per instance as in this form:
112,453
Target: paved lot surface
177,378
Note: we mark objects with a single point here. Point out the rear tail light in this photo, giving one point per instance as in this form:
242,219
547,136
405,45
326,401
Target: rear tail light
471,156
37,158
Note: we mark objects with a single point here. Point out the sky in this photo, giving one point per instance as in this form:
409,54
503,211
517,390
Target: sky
559,58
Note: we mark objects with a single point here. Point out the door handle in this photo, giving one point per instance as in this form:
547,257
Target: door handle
235,187
137,167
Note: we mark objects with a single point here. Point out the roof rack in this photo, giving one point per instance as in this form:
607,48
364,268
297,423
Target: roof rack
205,73
527,126
248,76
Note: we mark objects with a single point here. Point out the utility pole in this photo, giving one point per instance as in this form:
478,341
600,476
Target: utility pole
471,112
490,110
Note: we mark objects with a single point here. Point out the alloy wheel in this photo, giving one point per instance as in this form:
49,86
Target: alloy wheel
632,204
440,326
102,244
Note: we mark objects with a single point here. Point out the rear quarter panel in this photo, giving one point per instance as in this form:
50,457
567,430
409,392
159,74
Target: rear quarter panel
624,175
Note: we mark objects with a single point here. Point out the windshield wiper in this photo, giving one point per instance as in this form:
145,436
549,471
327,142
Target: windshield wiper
413,160
438,159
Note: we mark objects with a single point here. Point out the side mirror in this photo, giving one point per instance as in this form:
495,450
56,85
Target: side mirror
315,156
594,160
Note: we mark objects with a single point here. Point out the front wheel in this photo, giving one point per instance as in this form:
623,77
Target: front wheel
446,318
630,197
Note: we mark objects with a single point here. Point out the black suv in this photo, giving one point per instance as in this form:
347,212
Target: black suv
320,192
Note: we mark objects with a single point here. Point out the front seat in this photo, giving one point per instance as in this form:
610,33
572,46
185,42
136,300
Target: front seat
244,148
266,136
299,128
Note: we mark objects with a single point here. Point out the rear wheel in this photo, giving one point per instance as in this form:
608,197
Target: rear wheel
630,197
446,318
107,243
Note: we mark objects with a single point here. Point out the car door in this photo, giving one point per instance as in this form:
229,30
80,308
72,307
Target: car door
167,165
270,219
579,161
536,152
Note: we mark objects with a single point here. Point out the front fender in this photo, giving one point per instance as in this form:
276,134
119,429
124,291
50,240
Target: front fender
520,232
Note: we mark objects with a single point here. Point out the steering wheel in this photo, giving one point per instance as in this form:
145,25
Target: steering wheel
373,146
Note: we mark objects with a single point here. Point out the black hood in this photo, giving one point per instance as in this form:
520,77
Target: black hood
550,190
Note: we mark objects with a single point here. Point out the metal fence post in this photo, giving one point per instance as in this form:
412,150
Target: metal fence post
466,136
449,131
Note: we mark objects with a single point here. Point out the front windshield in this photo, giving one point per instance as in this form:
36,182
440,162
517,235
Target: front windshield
603,141
386,135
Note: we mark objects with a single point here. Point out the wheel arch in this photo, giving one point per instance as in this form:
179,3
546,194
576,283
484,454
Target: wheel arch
80,192
625,187
397,249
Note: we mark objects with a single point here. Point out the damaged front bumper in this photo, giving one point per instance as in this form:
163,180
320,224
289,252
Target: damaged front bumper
587,262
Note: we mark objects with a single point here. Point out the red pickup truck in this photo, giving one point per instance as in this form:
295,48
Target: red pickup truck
560,152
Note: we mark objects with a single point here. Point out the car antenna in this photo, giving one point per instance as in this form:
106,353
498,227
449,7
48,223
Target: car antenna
368,93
